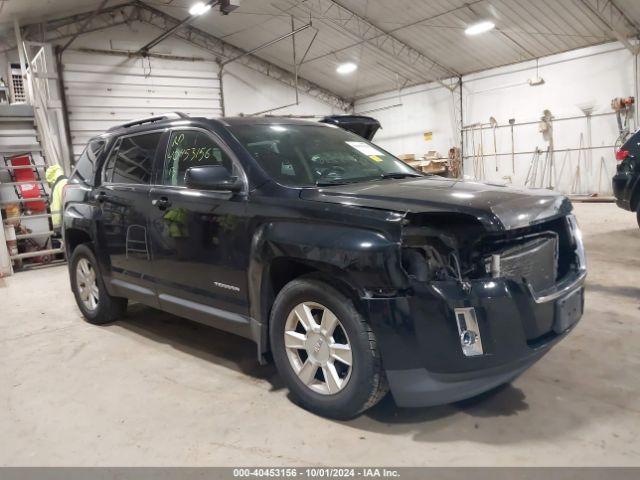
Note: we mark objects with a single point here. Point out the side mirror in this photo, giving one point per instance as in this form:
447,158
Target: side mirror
212,177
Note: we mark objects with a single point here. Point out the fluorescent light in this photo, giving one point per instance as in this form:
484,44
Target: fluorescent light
480,27
199,8
345,68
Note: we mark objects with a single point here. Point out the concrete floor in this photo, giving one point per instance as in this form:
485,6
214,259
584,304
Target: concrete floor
156,390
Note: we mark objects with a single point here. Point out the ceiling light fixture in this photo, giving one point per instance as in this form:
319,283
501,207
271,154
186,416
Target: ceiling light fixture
346,68
199,8
480,27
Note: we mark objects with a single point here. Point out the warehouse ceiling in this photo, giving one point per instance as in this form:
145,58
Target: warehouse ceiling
394,43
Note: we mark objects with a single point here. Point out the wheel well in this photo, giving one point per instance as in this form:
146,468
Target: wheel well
285,270
74,237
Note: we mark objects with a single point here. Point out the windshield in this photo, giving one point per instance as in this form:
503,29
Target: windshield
308,155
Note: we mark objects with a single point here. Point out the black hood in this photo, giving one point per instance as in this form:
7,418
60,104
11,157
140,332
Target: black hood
497,207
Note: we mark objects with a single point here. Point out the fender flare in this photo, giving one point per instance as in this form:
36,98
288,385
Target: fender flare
360,259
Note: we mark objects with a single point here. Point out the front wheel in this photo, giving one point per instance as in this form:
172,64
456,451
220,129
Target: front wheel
95,303
325,351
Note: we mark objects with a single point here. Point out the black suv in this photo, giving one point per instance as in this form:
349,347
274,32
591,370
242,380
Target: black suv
355,273
626,181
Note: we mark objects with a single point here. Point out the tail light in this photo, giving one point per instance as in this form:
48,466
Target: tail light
621,154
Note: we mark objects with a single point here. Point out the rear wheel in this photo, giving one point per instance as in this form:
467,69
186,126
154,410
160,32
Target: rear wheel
325,351
95,303
638,215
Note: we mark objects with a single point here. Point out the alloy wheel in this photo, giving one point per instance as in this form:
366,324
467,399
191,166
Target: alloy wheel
87,284
318,348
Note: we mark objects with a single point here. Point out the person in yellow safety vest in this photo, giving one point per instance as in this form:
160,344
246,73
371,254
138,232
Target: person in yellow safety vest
57,180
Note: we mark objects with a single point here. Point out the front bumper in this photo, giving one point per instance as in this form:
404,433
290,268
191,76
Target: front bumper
418,387
419,335
420,341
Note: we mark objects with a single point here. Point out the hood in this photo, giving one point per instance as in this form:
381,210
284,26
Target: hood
52,173
497,207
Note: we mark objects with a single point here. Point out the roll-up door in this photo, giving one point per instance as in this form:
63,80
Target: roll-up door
103,90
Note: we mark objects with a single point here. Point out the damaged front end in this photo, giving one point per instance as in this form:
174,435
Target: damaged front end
481,306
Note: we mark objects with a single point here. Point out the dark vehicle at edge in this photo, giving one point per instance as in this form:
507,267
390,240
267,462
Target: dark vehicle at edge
355,273
626,181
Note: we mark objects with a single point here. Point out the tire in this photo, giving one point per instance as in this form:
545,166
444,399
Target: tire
107,308
354,388
638,215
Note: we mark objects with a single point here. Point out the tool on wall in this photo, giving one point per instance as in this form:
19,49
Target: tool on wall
512,122
624,109
530,179
603,167
587,156
566,157
478,153
481,156
548,167
494,124
576,184
473,147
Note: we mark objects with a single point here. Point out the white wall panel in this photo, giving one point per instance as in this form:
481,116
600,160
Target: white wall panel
163,84
406,117
247,92
590,76
103,90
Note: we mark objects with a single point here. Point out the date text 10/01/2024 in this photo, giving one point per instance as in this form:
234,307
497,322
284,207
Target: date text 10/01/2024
316,472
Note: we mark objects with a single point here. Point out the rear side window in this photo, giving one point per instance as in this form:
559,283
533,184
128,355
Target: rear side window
191,148
86,164
131,159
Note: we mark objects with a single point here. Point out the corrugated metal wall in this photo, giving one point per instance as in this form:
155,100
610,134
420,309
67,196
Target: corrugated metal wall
103,90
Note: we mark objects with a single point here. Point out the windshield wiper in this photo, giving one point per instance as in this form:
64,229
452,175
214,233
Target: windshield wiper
400,175
329,183
383,176
341,181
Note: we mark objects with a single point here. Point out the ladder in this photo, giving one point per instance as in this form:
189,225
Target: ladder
21,240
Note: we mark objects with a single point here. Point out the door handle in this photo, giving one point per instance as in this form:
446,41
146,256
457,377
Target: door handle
161,203
100,197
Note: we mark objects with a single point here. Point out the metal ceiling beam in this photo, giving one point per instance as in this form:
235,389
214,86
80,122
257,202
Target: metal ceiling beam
624,15
83,26
224,50
402,27
136,10
374,36
610,16
186,21
72,25
292,33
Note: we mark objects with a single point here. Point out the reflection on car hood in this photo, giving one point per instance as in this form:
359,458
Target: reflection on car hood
497,207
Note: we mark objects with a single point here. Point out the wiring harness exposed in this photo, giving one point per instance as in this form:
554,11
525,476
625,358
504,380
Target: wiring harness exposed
427,262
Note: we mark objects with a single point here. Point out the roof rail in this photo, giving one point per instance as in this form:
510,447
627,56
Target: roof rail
157,118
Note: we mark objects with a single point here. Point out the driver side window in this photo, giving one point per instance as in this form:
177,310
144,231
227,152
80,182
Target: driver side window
191,148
